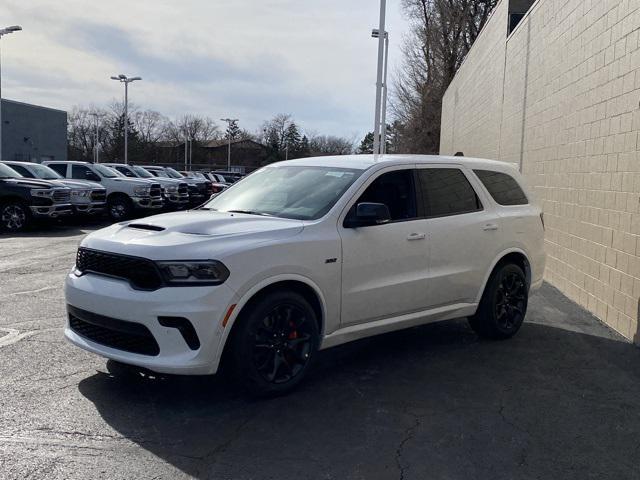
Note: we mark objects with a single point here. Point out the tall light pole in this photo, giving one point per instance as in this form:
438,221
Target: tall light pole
376,126
126,80
229,121
4,31
375,33
96,115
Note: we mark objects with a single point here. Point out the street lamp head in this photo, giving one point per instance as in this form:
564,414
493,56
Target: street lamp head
13,28
133,79
122,77
115,78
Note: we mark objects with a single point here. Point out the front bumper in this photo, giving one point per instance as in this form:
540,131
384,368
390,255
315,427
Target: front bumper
52,211
176,200
93,208
204,307
147,203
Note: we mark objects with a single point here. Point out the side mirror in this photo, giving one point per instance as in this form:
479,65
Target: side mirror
366,214
92,177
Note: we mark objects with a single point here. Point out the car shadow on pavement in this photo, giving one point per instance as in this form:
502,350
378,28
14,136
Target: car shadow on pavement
560,400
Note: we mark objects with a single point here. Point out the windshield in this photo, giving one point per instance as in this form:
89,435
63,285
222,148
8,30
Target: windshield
303,193
106,171
141,172
173,173
6,172
44,172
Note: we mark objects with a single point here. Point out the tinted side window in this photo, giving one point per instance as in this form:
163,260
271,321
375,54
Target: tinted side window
502,187
61,168
447,191
397,191
22,171
79,172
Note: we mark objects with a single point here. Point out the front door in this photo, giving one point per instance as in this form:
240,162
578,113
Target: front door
385,267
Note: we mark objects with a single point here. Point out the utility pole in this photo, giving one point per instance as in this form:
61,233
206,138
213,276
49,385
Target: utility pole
126,80
382,146
4,31
376,127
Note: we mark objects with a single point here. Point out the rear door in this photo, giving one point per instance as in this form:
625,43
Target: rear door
462,233
385,267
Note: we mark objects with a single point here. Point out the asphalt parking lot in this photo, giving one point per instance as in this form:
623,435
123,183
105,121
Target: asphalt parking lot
559,401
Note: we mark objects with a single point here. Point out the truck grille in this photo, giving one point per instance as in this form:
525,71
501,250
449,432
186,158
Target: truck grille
141,273
98,195
183,189
156,190
111,332
62,196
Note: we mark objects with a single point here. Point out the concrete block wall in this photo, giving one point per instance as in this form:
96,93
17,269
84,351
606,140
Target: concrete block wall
567,113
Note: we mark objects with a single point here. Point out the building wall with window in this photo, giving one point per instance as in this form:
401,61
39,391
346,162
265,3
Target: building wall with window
559,98
33,133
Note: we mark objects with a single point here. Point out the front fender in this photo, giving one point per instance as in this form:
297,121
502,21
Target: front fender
241,299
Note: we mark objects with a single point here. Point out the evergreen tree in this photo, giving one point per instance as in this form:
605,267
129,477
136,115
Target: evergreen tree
233,130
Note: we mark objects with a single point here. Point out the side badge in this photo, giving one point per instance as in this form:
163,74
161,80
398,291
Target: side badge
331,260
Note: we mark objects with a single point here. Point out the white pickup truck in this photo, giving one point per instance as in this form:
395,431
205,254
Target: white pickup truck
124,195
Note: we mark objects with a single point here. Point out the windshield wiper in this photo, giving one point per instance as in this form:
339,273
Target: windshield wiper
250,212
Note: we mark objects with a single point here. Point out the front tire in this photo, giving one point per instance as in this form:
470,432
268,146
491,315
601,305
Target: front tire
120,208
14,216
274,343
503,305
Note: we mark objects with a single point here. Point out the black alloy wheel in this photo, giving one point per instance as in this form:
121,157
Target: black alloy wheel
503,305
282,343
510,301
274,343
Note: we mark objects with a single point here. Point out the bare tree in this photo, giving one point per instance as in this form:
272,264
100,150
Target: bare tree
442,32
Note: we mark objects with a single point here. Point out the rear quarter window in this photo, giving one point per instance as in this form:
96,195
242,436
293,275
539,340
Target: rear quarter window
502,187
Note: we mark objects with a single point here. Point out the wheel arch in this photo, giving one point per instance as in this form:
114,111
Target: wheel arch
516,256
298,283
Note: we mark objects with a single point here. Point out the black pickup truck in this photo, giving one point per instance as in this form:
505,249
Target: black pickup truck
22,200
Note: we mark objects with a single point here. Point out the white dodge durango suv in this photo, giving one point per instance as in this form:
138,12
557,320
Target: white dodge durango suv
305,255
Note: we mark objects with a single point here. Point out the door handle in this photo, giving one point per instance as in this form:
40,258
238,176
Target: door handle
490,227
416,236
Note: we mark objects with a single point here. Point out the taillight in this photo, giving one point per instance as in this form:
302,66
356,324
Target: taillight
542,219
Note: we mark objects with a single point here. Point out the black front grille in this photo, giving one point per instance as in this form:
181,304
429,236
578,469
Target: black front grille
111,332
183,189
98,195
60,196
156,190
141,273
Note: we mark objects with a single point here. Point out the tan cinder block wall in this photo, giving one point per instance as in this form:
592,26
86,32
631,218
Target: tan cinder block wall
560,97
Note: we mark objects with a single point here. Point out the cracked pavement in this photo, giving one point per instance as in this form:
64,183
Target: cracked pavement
560,400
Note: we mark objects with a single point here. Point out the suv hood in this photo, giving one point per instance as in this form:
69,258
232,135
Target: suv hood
195,234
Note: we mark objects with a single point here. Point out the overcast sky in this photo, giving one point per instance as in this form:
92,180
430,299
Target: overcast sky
248,59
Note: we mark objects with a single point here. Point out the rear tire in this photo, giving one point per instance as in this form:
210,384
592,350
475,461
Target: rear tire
274,344
503,305
14,216
119,208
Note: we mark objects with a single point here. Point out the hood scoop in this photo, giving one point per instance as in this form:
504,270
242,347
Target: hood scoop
144,226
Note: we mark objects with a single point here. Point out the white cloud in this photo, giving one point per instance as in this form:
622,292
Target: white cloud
246,58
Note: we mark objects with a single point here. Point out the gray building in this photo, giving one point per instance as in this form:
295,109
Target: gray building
33,133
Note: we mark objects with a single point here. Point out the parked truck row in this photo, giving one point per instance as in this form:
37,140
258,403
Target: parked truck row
55,189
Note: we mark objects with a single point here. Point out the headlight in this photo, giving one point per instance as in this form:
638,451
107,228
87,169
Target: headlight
80,193
195,272
141,191
171,189
41,192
